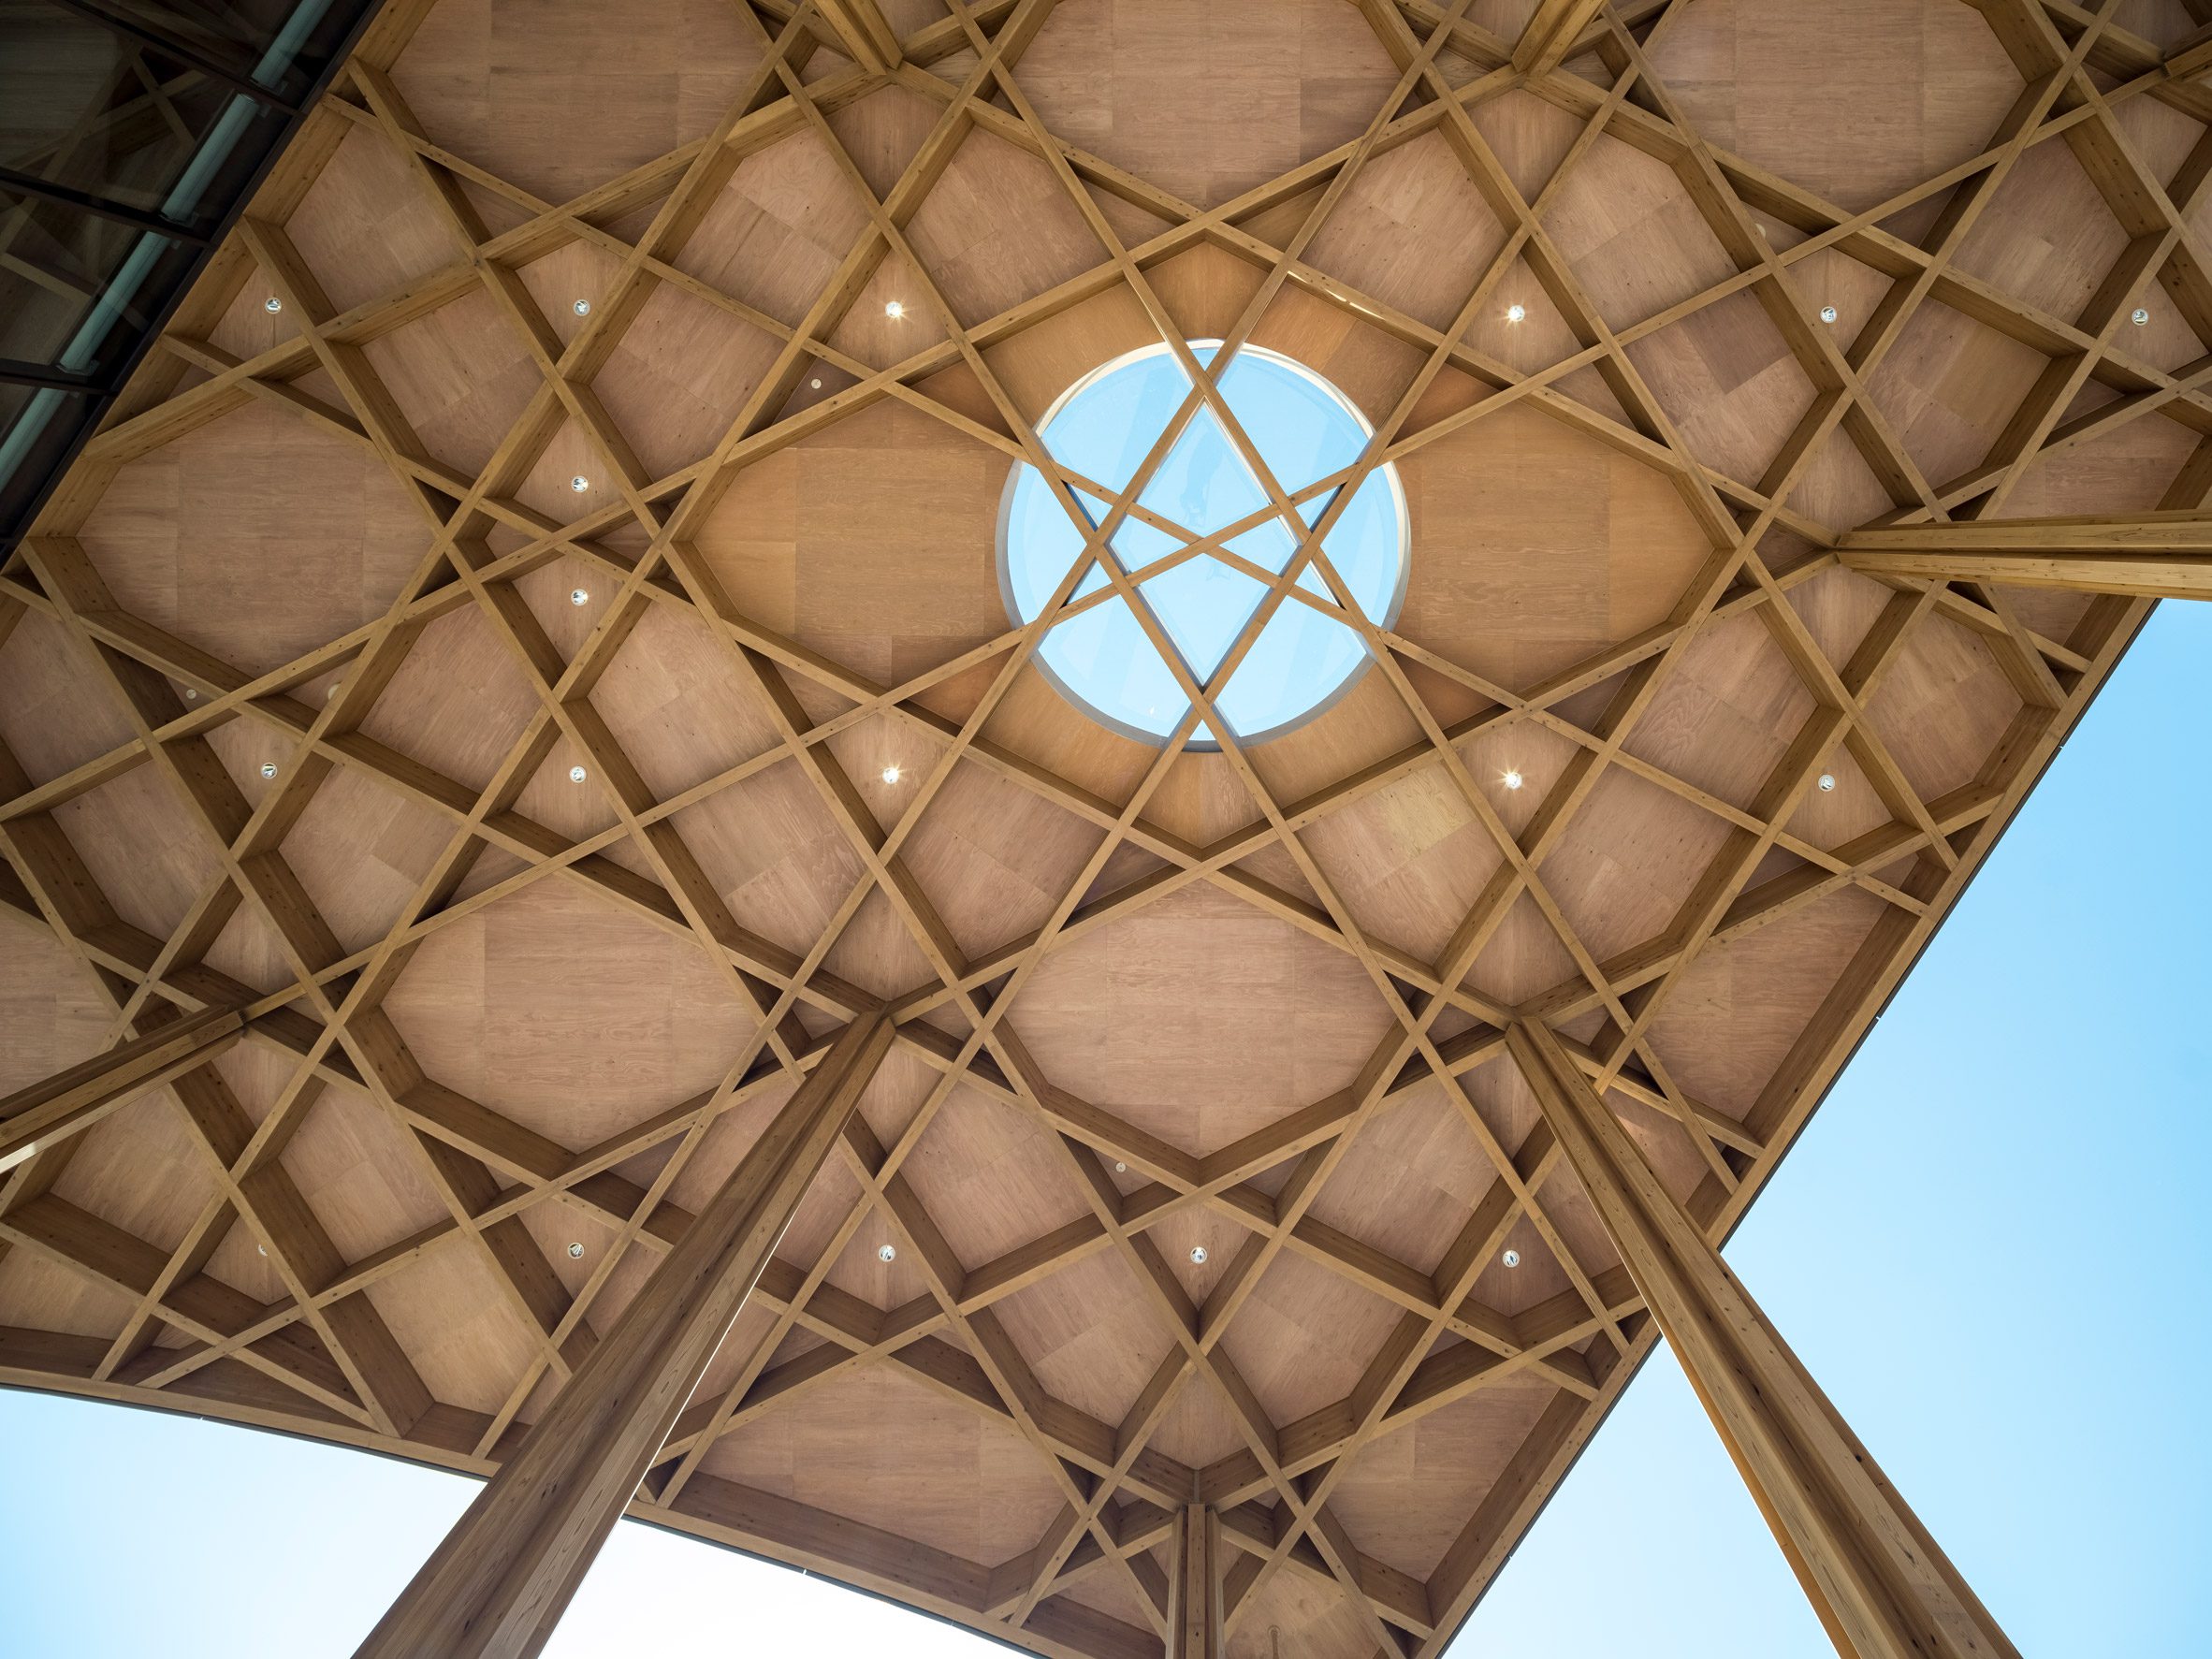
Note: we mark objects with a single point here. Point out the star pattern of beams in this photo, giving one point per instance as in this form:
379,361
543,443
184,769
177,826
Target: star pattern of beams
543,859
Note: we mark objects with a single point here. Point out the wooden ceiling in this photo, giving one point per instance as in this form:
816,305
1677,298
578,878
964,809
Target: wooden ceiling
295,680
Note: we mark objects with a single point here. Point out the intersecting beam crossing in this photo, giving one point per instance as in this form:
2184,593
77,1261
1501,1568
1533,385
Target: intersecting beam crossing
334,1030
869,40
1880,1586
80,1097
1552,33
499,1583
2154,556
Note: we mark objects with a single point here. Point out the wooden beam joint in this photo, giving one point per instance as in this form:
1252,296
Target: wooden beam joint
74,1100
2150,555
1195,1620
1877,1581
499,1583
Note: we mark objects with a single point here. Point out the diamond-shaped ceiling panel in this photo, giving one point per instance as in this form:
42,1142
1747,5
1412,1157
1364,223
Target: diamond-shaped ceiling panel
1206,560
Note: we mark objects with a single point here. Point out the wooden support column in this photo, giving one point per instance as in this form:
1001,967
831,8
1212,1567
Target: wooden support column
2153,556
1876,1578
77,1098
862,33
1551,32
1194,1590
500,1581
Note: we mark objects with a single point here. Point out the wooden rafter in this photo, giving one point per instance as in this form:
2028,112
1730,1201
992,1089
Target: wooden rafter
504,1574
1119,1494
2161,555
73,1100
1550,33
867,39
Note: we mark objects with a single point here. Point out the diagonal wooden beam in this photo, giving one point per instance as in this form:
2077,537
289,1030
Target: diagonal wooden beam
1879,1584
1552,33
864,33
2154,556
500,1580
76,1098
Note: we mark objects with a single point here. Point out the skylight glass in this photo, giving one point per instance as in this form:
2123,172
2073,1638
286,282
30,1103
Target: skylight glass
1306,431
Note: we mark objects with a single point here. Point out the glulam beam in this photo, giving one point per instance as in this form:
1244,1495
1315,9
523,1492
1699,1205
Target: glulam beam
864,35
499,1583
2153,556
74,1100
1195,1623
1552,33
1879,1584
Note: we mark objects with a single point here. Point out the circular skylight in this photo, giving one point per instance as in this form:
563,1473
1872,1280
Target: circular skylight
1305,655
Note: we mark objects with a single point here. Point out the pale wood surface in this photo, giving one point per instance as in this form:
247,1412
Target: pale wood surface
499,1582
1248,1002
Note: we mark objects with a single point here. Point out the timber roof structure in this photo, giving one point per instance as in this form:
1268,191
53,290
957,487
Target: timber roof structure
523,668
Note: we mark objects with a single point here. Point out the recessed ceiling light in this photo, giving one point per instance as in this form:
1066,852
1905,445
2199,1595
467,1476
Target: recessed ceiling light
582,308
579,484
576,774
1120,1167
578,596
1828,314
816,383
263,1249
1827,783
2140,317
272,305
1198,1255
575,1249
1514,313
1511,780
886,1252
191,695
895,309
268,768
892,773
1511,1258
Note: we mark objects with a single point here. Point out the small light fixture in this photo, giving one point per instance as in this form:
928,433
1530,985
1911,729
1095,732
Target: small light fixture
1197,1256
895,309
1515,313
1511,780
892,773
582,308
1511,1258
886,1252
579,484
815,382
1827,783
330,691
272,305
1828,314
268,768
1120,1167
575,1250
578,596
191,695
576,774
262,1249
2140,317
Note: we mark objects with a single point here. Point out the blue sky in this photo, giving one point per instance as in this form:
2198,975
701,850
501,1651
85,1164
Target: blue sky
1989,1247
